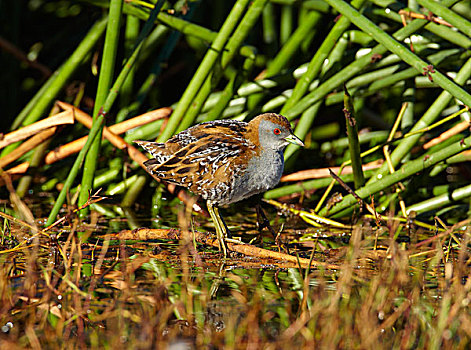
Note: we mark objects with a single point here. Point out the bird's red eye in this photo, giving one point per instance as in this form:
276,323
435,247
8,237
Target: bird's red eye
277,131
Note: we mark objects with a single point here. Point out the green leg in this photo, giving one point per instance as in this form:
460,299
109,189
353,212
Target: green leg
221,230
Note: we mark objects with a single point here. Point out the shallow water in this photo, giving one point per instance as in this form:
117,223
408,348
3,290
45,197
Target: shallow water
103,290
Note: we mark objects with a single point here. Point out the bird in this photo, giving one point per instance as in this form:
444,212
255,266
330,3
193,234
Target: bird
224,161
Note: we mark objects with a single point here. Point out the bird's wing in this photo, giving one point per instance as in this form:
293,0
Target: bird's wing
209,153
158,150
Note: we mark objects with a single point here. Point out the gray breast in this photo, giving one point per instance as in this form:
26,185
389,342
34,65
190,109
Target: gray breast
262,173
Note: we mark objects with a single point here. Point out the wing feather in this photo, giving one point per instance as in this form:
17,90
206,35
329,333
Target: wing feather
203,156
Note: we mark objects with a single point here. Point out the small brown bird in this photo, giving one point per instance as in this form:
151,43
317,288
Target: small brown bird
224,161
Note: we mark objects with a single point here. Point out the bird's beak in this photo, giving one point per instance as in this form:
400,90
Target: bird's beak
294,140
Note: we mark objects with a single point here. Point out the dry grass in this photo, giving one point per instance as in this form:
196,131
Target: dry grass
57,292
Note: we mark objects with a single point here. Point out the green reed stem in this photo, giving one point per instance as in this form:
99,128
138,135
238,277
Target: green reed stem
104,83
286,23
318,59
33,106
292,45
306,186
145,132
358,37
341,143
94,131
230,50
303,127
407,170
428,118
394,46
316,5
457,158
102,179
289,49
353,143
173,22
134,191
241,32
441,200
162,57
336,55
116,88
307,118
269,29
231,87
205,68
108,176
351,70
442,31
448,15
130,36
121,186
34,162
381,78
408,97
43,99
407,73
